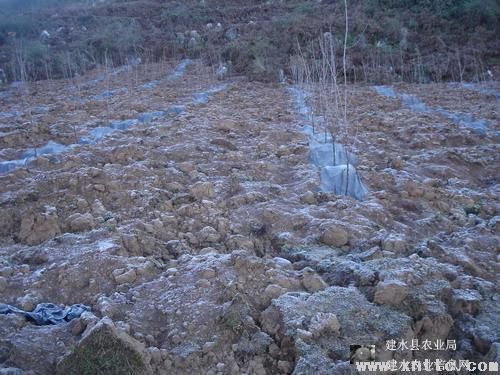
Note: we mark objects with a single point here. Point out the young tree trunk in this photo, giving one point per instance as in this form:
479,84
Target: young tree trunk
334,154
345,96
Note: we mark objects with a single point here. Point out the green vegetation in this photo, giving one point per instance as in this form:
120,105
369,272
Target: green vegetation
234,322
236,315
103,353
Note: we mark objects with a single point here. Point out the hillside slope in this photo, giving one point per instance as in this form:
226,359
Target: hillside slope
407,40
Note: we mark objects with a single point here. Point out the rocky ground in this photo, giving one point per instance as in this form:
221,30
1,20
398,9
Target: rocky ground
196,233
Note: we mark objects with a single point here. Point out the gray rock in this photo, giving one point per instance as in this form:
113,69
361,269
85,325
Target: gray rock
465,301
309,198
391,292
123,276
202,190
487,330
346,272
373,253
359,321
282,262
256,345
273,291
395,244
335,236
39,227
81,222
324,323
311,281
435,325
208,235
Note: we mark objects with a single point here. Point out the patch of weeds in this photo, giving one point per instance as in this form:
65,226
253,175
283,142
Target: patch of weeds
235,316
102,353
233,321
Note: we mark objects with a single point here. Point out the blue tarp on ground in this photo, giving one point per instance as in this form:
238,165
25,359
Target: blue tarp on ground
47,313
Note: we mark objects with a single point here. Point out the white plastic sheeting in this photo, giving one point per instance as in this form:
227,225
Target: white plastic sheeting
465,119
338,178
50,148
9,114
9,165
329,153
202,97
385,91
338,173
97,134
179,70
477,125
415,104
31,154
482,89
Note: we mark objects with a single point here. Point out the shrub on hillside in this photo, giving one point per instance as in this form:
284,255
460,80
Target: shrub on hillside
116,40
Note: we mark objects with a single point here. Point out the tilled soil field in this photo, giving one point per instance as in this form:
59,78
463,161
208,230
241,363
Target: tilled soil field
185,213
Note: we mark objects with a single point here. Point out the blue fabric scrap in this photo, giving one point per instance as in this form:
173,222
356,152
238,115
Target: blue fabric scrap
47,313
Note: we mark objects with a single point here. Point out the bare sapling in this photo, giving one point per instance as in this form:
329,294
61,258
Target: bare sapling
318,73
333,90
346,125
106,77
328,82
307,80
77,85
25,91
